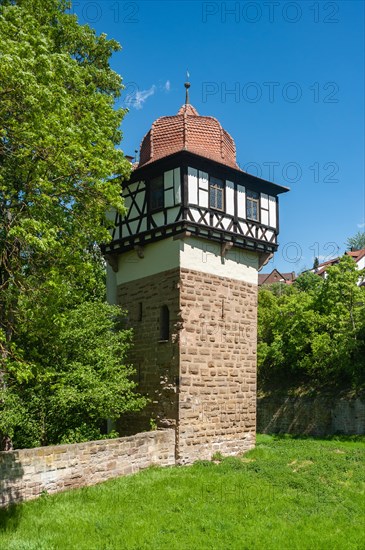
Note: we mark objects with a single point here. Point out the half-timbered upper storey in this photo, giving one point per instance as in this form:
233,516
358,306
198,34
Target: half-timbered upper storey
188,182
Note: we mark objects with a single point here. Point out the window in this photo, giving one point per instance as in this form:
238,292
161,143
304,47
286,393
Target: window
216,193
140,311
252,205
156,193
164,323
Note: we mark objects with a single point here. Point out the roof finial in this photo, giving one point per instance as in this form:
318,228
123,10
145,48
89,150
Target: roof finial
187,86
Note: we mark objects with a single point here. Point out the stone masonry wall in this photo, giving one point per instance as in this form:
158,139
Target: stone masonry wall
25,473
203,380
156,362
217,393
316,416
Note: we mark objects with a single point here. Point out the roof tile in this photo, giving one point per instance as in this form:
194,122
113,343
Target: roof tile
188,131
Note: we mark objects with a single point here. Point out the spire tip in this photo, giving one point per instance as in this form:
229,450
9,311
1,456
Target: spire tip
187,86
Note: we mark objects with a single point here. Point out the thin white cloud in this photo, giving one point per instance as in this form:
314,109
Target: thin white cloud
361,225
139,98
167,86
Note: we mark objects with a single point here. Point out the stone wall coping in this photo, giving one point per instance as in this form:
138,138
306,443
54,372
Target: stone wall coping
59,449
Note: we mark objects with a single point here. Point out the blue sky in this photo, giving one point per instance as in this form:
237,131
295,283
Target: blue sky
285,79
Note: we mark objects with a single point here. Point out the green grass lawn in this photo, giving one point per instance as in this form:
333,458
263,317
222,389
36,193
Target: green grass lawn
285,494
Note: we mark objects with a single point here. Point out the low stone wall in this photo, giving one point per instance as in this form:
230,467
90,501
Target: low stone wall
26,473
317,416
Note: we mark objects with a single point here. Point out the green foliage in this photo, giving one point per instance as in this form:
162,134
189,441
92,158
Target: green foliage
307,281
79,378
153,424
316,330
217,457
357,242
62,369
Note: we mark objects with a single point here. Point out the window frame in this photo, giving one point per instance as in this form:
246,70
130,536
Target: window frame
156,208
219,187
254,200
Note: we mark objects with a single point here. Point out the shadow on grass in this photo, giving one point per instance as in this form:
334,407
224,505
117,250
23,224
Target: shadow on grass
336,437
10,517
11,473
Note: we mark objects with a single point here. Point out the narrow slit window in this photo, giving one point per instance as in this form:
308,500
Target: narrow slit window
140,311
164,323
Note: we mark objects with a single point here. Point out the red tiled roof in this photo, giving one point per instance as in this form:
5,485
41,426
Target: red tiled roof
262,278
188,131
275,277
329,262
356,254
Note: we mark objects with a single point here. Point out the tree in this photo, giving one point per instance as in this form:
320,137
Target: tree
308,280
79,378
59,134
316,331
357,242
315,263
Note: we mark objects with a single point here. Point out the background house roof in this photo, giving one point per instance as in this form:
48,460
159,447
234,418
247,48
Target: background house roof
276,277
356,254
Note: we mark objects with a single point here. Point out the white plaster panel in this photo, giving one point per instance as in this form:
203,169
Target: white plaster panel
215,219
195,213
159,219
168,179
193,185
241,201
203,181
361,263
140,200
243,227
260,233
133,226
132,187
230,197
158,257
169,198
203,198
269,234
226,222
172,214
177,185
264,201
143,225
265,217
127,203
133,213
272,211
201,255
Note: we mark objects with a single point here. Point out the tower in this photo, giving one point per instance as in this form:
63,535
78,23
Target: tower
184,263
